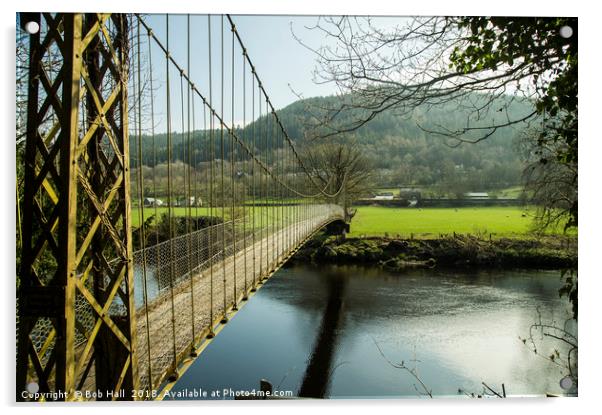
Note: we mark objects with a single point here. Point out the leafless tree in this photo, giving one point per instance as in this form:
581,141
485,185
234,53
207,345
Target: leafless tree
339,164
548,183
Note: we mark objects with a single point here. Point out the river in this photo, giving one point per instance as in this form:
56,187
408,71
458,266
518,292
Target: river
349,325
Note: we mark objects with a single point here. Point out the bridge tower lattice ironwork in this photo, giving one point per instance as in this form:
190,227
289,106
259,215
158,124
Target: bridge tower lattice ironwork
76,320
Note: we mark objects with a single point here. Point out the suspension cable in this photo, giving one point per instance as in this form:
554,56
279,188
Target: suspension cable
253,214
243,176
142,233
170,199
189,199
212,173
232,179
223,190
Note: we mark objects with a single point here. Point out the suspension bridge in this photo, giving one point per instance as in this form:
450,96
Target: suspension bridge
160,190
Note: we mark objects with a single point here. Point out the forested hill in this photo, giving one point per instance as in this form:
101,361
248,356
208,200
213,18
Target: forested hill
401,151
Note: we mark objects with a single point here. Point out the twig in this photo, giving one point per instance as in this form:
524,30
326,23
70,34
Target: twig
404,367
492,391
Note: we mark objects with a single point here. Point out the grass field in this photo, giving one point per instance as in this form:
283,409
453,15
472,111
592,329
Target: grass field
273,212
501,221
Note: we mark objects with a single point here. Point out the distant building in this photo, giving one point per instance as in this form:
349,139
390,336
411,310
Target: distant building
476,195
152,202
193,201
384,196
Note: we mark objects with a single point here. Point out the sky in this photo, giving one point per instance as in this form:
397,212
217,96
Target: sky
279,58
282,63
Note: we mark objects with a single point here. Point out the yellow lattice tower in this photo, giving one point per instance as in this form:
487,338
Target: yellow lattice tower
75,296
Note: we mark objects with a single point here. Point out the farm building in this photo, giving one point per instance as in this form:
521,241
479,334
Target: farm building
476,195
194,201
152,202
384,196
191,201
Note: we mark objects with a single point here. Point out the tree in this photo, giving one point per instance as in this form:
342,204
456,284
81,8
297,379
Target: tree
537,44
551,184
437,60
340,167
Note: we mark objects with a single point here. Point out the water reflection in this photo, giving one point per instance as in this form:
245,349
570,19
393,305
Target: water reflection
312,331
153,284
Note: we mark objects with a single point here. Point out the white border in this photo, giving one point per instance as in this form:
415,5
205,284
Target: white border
590,290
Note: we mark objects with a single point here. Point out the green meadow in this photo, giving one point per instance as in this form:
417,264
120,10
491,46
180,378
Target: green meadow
273,212
430,222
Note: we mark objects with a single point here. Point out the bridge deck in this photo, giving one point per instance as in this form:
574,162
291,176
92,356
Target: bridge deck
171,317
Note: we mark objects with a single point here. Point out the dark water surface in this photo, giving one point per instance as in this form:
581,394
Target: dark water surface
456,328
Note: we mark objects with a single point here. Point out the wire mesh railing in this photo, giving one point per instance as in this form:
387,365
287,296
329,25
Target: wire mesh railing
203,280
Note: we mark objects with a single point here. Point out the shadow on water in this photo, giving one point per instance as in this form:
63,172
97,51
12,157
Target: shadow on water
319,369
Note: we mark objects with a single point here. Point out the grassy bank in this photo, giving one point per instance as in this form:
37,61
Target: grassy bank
549,252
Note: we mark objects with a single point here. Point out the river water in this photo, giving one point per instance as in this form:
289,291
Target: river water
337,331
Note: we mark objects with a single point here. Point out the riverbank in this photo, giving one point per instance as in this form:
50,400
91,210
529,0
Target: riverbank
549,252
